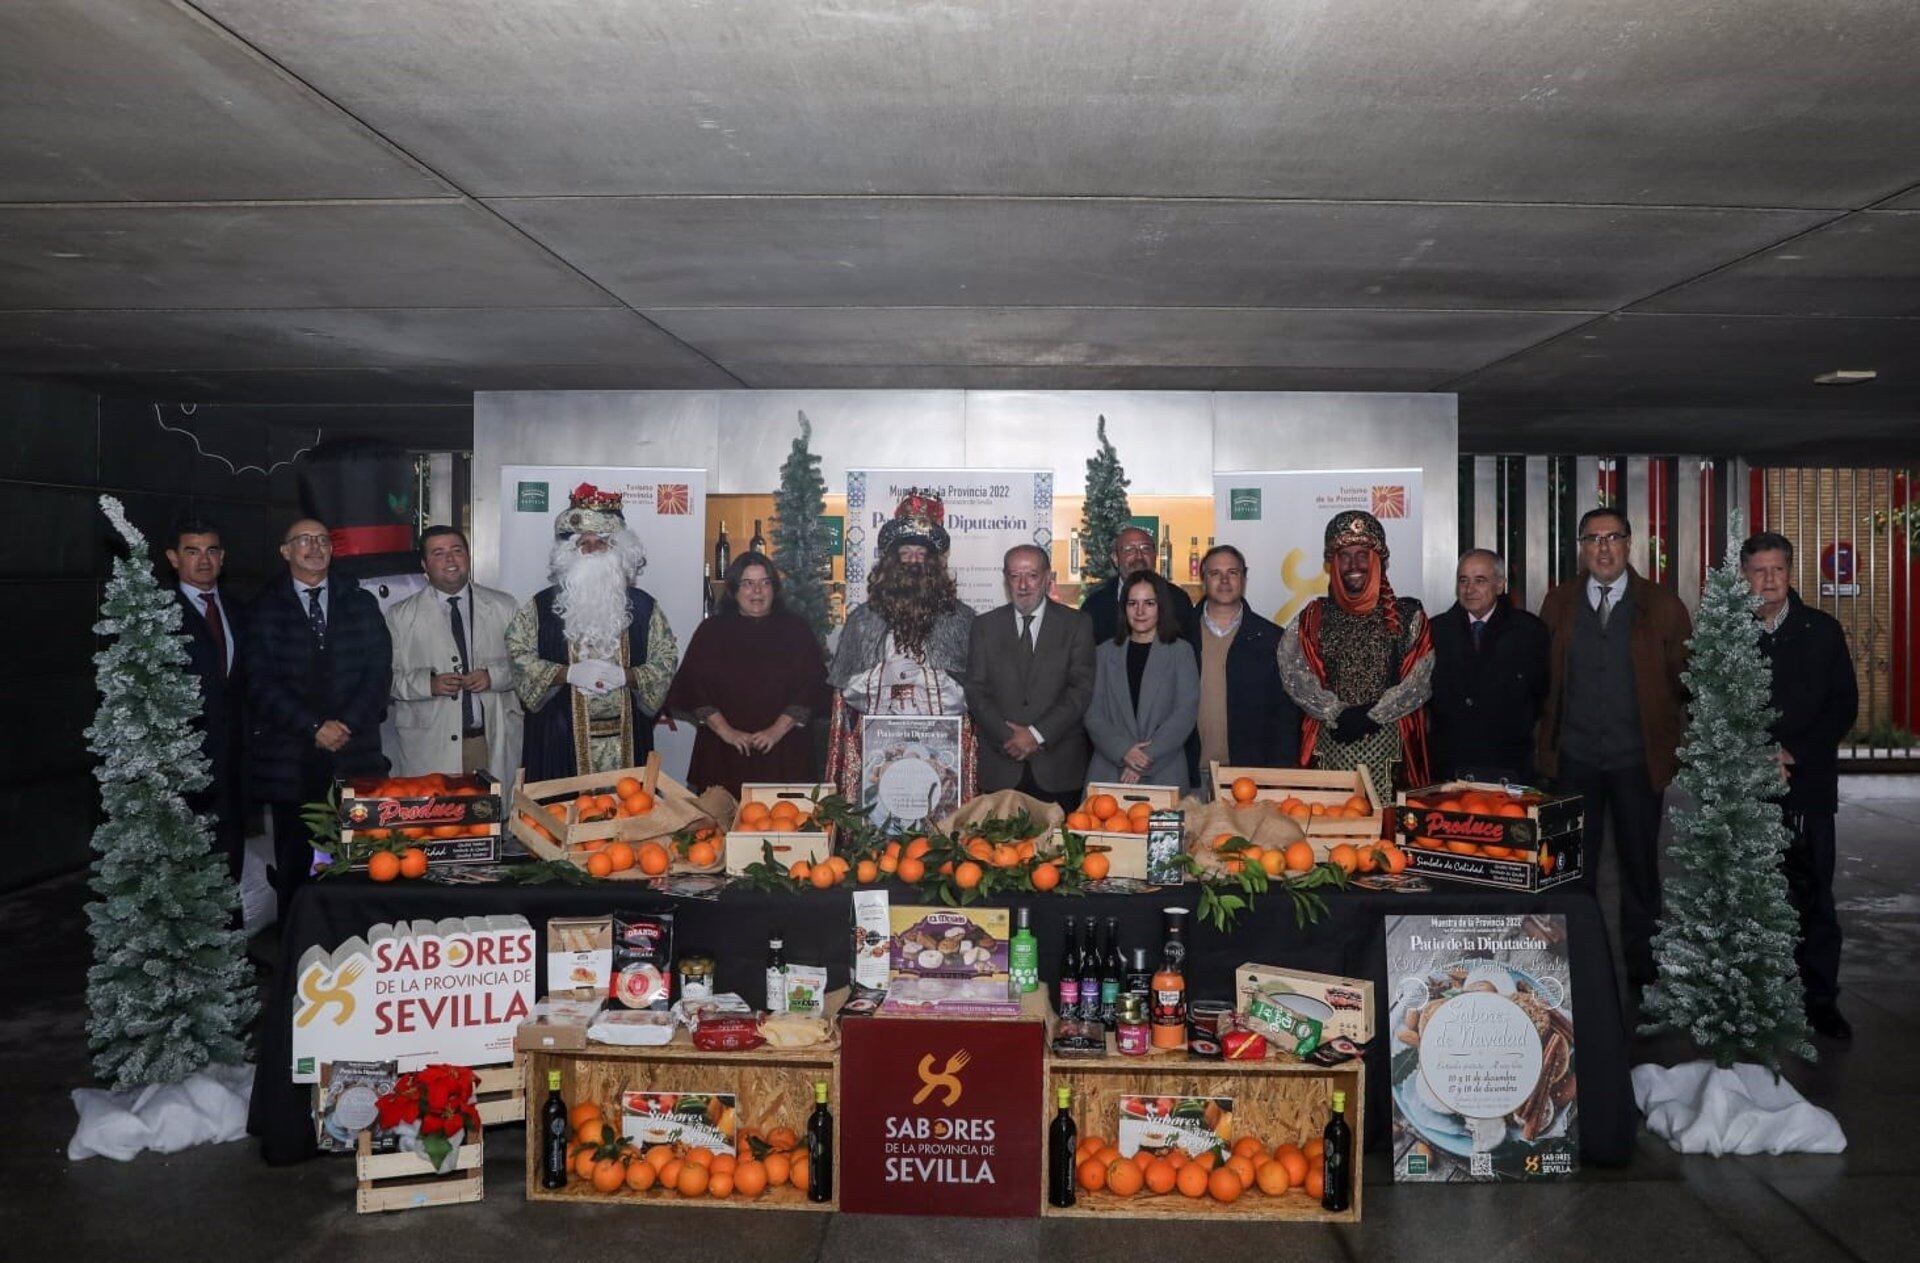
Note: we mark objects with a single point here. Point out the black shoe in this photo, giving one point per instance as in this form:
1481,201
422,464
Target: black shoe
1828,1024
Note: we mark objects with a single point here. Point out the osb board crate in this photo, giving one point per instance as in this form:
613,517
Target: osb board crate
747,846
552,805
1537,849
1127,852
1314,785
404,1181
466,818
773,1087
1275,1099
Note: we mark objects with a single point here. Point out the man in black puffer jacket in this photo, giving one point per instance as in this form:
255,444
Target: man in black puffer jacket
320,661
1817,699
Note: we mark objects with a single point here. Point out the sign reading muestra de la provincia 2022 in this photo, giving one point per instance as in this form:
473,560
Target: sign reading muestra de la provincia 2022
415,993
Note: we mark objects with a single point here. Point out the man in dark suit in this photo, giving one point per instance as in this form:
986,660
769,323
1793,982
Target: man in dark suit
1489,677
1029,680
1132,554
1817,700
213,628
1246,718
319,661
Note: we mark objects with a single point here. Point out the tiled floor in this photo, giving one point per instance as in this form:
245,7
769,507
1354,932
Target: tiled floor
223,1203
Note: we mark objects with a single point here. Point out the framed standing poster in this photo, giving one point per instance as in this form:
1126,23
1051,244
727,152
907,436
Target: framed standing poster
910,767
1480,1012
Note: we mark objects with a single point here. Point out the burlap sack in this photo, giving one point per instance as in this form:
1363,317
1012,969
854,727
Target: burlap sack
1256,822
1002,805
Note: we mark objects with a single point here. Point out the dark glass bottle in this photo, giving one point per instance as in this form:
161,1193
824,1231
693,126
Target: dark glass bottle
758,543
1113,972
1062,1138
722,552
820,1148
1090,971
1069,1001
1139,979
1337,1163
553,1136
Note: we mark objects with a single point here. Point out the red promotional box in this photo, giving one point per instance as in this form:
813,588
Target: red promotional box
1509,836
454,819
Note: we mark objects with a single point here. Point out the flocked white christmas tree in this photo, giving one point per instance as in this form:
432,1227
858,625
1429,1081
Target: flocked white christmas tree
170,991
1727,977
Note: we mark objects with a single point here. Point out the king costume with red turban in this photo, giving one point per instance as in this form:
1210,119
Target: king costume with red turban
1360,666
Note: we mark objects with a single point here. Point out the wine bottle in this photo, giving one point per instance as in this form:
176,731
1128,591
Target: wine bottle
553,1136
1166,553
1193,559
706,594
1090,972
758,543
722,551
820,1148
1068,1007
1112,971
1337,1163
1062,1137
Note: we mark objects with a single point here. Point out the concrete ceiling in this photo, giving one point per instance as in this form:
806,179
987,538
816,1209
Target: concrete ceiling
1609,225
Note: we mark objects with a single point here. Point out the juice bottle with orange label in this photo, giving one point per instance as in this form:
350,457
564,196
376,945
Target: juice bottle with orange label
1169,987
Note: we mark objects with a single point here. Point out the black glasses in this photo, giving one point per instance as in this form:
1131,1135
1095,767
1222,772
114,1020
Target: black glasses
1611,537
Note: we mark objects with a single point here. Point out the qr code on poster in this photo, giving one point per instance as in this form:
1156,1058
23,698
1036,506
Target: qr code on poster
1480,1164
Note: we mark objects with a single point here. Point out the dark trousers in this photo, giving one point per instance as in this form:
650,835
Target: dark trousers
1634,806
1067,798
1808,864
292,843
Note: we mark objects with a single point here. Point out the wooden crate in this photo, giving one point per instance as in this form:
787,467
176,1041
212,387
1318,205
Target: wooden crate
404,1181
1532,852
747,846
571,839
1313,785
773,1087
1127,852
499,1092
1275,1099
475,818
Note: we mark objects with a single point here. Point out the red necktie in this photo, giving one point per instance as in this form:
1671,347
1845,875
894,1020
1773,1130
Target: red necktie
216,627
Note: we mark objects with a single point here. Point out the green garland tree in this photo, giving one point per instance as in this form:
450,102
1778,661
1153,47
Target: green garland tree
170,991
1106,511
799,535
1727,977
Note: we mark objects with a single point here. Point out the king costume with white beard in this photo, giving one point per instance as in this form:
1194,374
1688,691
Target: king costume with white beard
592,654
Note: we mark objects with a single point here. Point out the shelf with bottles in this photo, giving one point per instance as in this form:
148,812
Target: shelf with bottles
772,1088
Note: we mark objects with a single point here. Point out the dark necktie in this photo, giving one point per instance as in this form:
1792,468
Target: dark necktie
216,628
1479,627
316,617
469,709
1606,606
1026,632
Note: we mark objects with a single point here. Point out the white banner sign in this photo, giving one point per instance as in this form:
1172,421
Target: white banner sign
417,993
666,508
988,511
1279,520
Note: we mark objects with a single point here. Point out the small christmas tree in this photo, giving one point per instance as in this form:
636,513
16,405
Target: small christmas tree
1725,948
1106,512
170,991
800,537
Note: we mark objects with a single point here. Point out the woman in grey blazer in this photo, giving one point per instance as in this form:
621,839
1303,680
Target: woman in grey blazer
1146,692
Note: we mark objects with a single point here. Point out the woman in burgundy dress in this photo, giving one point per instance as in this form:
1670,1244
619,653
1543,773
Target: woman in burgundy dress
752,677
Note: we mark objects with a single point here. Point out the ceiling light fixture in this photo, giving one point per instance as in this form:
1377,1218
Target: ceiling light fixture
1847,376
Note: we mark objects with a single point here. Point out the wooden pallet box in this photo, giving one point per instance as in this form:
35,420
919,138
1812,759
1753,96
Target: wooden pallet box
1312,786
1127,852
404,1181
1536,850
748,846
460,826
545,817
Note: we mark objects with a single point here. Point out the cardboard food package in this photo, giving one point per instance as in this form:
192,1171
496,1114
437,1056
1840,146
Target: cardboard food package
1349,999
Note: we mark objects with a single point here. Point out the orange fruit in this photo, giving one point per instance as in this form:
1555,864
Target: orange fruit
599,865
1139,812
641,1176
967,875
1272,1178
620,855
1315,1149
693,1180
609,1175
1093,1144
719,1183
1096,865
1092,1175
1512,811
1045,877
1289,1156
670,1173
1079,821
1358,806
752,816
1273,862
917,848
1142,1157
889,863
1345,856
1244,789
1208,1160
801,1175
1225,1185
1192,1180
1124,1179
866,871
723,1164
627,787
1178,1158
653,858
1463,848
1160,1176
582,1114
823,876
1299,857
700,1156
593,1132
1367,858
800,870
1247,1146
658,1156
413,862
1393,857
1102,806
703,855
1024,851
1005,856
583,1164
785,813
1242,1167
383,866
783,1138
1106,1154
779,1169
638,803
750,1179
1316,1183
911,870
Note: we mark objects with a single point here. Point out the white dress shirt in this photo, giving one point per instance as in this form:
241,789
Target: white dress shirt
1615,591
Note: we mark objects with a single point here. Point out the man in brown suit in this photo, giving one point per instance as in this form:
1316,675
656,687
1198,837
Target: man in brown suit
1615,715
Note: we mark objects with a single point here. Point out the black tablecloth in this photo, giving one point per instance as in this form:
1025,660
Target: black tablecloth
817,928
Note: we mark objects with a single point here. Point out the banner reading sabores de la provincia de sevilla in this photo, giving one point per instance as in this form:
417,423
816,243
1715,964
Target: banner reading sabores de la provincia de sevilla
416,993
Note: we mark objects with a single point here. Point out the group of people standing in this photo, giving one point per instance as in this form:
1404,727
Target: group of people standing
1136,685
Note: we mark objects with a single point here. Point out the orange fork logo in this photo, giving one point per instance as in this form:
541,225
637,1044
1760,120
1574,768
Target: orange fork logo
948,1079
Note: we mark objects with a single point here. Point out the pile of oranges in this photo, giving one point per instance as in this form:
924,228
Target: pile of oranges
1102,813
628,799
1297,857
614,1165
605,858
1249,1167
435,785
784,816
386,865
1355,807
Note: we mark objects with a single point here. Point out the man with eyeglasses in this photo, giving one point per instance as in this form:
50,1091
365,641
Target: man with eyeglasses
1614,717
213,628
318,661
1133,553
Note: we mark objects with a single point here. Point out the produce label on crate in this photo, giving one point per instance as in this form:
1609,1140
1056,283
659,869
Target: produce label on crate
1161,1124
706,1120
1480,1015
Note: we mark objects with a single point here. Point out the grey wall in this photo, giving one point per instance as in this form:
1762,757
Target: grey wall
62,448
1171,442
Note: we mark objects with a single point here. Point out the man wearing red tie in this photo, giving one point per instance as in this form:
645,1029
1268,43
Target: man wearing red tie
212,628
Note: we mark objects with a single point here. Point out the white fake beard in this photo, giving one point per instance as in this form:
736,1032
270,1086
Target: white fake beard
592,601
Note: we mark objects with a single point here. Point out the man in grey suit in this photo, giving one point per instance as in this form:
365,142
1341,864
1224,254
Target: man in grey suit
1029,679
